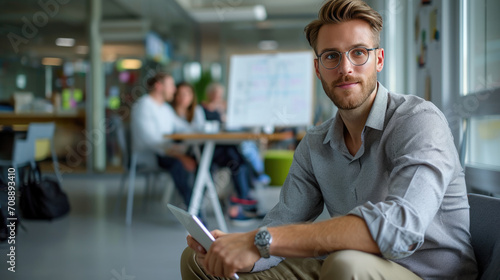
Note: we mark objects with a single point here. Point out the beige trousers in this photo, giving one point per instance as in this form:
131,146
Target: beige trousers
348,265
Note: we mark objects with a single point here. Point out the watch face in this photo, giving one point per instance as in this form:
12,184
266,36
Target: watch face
262,238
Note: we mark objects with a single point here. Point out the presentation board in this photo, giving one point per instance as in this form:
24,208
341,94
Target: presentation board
270,90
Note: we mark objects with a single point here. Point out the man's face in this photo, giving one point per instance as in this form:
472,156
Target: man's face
167,88
348,86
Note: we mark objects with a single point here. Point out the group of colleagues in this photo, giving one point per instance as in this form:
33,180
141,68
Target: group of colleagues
169,108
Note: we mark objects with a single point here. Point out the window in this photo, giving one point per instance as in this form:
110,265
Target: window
480,85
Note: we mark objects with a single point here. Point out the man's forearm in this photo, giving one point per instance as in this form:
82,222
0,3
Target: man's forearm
317,239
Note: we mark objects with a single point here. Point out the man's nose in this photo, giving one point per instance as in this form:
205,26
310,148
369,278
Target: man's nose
345,66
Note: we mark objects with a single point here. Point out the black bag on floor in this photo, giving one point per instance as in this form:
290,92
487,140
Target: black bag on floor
42,198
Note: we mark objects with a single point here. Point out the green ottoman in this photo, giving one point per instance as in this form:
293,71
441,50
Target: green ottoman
277,164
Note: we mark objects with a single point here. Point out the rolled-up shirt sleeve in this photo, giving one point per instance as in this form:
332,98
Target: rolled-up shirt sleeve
394,227
421,160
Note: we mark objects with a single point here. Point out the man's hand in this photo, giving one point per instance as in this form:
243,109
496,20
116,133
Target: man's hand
229,254
188,162
193,244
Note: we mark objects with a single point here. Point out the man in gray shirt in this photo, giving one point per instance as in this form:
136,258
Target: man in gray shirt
385,167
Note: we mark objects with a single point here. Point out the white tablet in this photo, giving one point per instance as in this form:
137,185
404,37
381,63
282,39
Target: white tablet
195,227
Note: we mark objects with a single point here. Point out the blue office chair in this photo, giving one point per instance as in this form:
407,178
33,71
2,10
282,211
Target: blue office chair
485,232
23,153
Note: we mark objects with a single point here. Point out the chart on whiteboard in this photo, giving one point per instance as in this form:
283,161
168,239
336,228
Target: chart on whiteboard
270,90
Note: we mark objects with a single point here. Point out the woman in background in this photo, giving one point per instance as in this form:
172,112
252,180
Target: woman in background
191,115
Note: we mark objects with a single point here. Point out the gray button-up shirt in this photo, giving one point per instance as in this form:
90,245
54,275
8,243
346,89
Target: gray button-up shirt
405,181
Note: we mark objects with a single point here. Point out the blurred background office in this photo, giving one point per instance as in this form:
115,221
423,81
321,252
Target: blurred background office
79,62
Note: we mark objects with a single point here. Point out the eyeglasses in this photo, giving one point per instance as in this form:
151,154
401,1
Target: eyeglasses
357,56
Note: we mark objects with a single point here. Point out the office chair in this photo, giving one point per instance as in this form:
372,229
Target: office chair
485,232
132,167
24,149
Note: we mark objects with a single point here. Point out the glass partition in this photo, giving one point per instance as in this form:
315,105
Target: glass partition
481,94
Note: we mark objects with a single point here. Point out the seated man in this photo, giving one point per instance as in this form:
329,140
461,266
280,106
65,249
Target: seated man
385,167
151,119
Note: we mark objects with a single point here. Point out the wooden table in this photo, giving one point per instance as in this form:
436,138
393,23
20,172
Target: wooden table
203,177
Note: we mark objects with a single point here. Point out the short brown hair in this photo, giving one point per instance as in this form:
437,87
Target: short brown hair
158,77
337,11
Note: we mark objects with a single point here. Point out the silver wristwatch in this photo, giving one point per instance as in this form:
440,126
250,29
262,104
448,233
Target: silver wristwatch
263,241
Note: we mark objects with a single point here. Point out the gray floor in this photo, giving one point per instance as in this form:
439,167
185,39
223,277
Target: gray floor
92,242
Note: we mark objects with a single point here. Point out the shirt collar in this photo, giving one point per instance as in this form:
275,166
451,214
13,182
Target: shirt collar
375,120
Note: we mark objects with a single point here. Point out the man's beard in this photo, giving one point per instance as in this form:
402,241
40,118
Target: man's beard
340,100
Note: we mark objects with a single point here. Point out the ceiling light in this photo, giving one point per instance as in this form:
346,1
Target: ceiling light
260,12
130,64
52,61
249,13
192,71
65,42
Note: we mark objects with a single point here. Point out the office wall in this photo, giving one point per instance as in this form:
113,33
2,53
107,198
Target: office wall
10,69
422,54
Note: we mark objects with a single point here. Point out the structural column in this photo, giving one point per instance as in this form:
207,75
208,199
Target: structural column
96,125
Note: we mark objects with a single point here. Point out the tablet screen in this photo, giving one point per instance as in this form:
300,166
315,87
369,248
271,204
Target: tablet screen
194,226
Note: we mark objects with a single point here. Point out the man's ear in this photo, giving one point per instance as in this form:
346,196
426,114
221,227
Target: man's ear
316,68
380,59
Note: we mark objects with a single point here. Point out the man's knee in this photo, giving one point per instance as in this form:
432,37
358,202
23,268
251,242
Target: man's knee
351,264
347,264
188,264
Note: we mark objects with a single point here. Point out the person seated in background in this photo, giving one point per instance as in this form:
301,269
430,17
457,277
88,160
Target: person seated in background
215,110
215,106
151,119
191,118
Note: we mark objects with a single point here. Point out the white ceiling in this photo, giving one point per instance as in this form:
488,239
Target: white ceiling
170,18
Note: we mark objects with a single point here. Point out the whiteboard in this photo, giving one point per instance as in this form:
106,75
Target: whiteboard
270,90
